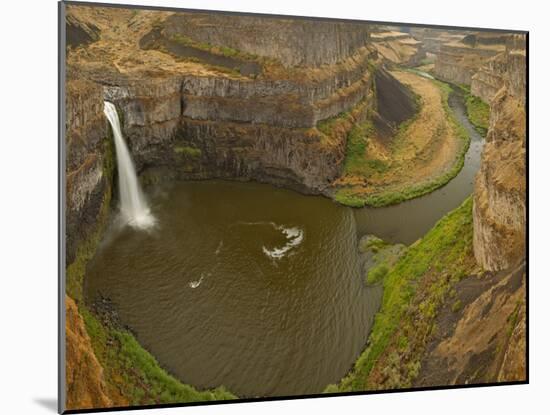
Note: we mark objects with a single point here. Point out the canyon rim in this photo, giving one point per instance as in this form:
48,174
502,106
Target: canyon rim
260,206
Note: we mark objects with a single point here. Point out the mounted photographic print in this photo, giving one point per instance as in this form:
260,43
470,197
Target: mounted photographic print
257,207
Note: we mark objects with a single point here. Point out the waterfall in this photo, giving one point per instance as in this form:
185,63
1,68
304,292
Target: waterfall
133,205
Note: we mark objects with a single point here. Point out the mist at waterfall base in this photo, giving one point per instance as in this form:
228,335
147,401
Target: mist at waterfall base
133,206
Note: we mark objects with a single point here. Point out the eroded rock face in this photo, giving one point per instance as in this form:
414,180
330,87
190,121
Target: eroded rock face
396,46
500,188
80,33
486,340
85,384
294,42
489,79
432,38
458,62
242,128
192,120
86,135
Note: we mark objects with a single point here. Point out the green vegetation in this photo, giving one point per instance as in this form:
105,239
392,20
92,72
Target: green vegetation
134,372
478,112
355,161
130,370
372,243
457,305
217,50
220,50
380,257
347,196
192,152
377,273
328,125
426,61
86,249
513,320
402,326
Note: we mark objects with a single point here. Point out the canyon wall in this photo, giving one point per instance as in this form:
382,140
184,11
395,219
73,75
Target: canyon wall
500,188
86,146
432,39
489,79
397,47
199,127
293,42
192,120
459,61
262,127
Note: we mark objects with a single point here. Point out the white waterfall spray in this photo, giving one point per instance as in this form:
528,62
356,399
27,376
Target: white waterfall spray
133,205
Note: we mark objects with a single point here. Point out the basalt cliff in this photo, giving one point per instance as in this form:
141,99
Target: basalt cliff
493,320
500,189
276,100
458,61
199,97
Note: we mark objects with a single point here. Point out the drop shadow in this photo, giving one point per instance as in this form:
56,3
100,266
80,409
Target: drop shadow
48,403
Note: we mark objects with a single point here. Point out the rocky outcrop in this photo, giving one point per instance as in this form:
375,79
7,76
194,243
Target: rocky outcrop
432,39
86,145
395,103
489,79
190,120
483,339
398,47
79,32
261,127
293,42
500,188
244,129
85,384
458,62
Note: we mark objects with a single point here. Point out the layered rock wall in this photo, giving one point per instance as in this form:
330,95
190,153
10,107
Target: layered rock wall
86,141
457,62
293,42
398,47
500,188
243,128
489,79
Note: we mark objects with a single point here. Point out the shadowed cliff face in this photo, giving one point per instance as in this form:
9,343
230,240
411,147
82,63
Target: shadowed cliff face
79,33
395,103
86,136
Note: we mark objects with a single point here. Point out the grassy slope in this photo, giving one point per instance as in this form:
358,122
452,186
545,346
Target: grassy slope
356,162
134,373
413,291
